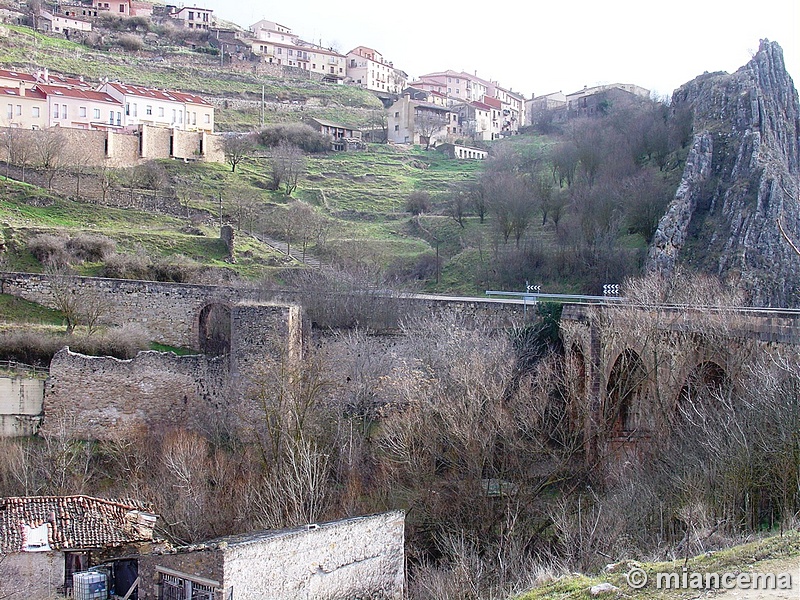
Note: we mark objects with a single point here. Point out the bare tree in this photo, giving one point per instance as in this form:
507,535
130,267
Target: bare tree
79,306
49,150
237,148
287,166
428,122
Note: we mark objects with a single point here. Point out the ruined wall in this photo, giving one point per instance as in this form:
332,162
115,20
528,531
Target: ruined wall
39,573
361,557
21,405
104,397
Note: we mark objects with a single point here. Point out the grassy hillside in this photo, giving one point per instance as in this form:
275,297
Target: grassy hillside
177,66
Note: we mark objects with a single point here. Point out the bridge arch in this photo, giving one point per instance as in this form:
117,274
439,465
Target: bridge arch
214,328
706,379
626,386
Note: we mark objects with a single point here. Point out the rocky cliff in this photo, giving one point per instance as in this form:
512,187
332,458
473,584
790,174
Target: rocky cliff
740,179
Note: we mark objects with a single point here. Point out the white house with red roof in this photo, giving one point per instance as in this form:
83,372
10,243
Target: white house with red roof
22,108
161,108
81,108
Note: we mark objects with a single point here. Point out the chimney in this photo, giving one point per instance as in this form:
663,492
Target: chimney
21,89
46,75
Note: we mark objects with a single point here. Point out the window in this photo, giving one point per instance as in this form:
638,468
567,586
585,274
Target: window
19,110
119,118
111,117
290,51
127,110
10,111
122,8
207,118
82,111
35,112
63,111
174,116
135,111
191,15
160,111
397,115
194,118
55,111
397,127
96,113
148,110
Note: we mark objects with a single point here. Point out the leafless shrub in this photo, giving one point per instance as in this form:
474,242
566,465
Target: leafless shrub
90,247
130,42
127,266
50,249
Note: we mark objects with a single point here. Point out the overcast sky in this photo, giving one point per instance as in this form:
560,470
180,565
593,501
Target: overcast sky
544,46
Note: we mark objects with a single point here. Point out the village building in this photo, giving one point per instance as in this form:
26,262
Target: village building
276,44
343,137
193,17
367,68
23,108
417,117
46,539
80,108
462,152
597,100
161,108
65,23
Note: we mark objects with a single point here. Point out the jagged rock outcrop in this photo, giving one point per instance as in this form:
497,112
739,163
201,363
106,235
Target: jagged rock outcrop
741,177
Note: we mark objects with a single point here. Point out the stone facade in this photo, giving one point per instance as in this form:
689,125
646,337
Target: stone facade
362,557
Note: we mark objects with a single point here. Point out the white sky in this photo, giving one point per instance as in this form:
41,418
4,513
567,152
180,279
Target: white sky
543,46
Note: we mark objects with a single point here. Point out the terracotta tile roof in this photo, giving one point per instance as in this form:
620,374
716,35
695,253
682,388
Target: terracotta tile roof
14,91
164,95
73,522
55,90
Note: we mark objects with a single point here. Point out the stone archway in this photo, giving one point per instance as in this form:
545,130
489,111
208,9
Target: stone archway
214,328
706,380
627,384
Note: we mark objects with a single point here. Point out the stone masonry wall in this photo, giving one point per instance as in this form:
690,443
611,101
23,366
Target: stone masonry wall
104,397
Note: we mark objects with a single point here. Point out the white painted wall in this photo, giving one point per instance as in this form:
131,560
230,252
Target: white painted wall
20,403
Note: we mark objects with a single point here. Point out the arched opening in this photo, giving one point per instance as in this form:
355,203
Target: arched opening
626,386
215,329
706,380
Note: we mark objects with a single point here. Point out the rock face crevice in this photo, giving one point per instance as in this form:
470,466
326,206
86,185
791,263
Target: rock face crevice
740,178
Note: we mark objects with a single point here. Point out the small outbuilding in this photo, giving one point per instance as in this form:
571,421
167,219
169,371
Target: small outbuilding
361,557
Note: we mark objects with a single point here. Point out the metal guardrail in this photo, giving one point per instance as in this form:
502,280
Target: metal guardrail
536,296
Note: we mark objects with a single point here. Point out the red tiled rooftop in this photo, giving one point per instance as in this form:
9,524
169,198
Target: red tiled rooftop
73,522
84,94
164,95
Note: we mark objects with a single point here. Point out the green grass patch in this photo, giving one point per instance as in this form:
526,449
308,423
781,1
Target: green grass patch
17,310
754,557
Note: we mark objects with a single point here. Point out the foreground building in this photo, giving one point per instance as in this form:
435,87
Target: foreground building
361,557
45,539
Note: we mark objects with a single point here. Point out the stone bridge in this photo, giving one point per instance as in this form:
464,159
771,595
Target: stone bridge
631,367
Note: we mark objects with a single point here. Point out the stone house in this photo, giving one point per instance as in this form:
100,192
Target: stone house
45,539
361,557
597,100
65,23
418,117
344,137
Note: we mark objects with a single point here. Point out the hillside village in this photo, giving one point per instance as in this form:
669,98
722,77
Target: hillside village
437,107
267,424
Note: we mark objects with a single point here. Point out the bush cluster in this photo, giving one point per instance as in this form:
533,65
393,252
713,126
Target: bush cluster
59,250
300,135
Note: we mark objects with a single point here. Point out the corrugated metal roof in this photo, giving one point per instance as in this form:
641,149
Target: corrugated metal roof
73,522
